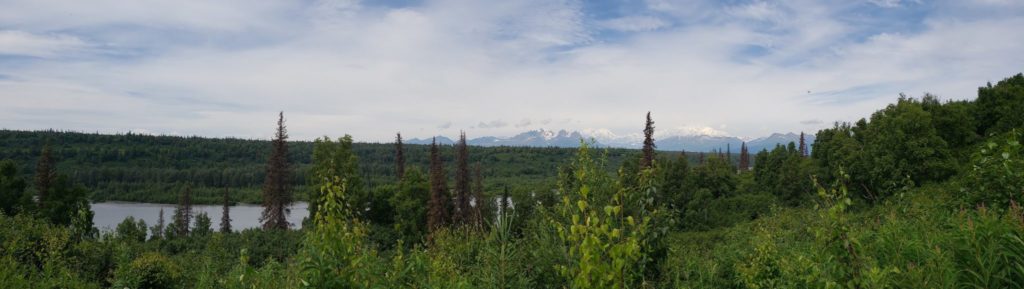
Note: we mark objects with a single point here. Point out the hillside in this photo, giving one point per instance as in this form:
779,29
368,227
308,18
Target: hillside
147,168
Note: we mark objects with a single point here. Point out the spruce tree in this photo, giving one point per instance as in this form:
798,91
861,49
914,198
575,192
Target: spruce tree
225,217
744,157
478,197
46,173
158,229
728,153
399,157
504,203
461,214
803,145
276,190
437,215
649,146
183,214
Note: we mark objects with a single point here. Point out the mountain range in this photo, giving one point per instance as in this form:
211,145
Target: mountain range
695,141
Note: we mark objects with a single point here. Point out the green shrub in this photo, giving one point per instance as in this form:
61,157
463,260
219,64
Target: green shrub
151,270
996,174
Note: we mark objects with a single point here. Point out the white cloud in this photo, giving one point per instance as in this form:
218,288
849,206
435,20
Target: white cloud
635,23
492,124
14,42
886,3
225,68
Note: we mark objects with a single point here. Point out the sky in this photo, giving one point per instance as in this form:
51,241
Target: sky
489,68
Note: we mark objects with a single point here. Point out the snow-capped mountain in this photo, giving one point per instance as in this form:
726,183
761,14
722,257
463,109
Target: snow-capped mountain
699,143
533,138
684,138
769,142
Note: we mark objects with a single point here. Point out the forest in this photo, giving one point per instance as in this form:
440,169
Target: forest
923,193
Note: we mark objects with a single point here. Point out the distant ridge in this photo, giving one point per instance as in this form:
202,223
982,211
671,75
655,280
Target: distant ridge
603,138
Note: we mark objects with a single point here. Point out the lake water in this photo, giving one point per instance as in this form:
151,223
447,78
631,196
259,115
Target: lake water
243,216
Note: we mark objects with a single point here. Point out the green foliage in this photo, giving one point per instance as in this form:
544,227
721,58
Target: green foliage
64,197
151,270
335,254
717,176
675,178
988,249
996,174
334,159
130,230
784,173
143,168
204,226
899,148
503,253
999,107
604,243
409,206
13,196
954,121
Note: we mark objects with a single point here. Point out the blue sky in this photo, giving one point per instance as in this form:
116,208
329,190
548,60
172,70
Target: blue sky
425,67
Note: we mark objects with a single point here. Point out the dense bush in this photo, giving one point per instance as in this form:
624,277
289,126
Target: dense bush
996,172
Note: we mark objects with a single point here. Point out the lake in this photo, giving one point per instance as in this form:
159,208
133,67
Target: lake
243,216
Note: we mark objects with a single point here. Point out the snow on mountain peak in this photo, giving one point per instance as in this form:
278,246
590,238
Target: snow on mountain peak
692,131
599,133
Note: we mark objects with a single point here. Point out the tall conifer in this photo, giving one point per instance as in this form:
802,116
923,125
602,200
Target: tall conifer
225,217
46,173
728,153
277,195
437,214
183,214
461,214
478,197
649,146
399,157
803,145
744,157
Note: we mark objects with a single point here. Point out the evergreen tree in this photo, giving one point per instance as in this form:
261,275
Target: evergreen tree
277,194
399,157
46,173
480,204
505,203
728,153
744,157
461,214
437,214
225,217
803,145
13,197
183,214
649,146
158,229
203,225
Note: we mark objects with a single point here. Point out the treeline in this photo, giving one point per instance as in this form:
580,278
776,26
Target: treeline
146,168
